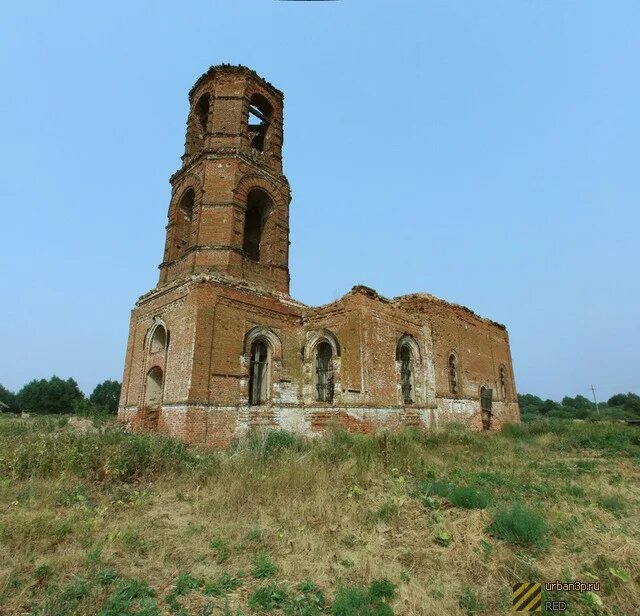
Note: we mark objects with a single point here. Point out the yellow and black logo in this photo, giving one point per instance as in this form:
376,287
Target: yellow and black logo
527,597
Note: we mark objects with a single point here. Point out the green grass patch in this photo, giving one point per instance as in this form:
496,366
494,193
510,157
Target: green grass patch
221,548
222,585
470,603
520,525
268,597
613,504
263,567
459,496
468,498
128,595
361,601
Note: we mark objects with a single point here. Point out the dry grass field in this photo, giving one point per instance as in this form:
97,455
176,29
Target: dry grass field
94,520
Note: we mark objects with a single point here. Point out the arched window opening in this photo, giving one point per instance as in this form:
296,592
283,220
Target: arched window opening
202,115
486,404
406,373
324,372
198,121
184,217
259,373
258,205
453,374
154,386
158,339
503,382
260,111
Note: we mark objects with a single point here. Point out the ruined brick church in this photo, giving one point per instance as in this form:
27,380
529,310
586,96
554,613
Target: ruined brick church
219,347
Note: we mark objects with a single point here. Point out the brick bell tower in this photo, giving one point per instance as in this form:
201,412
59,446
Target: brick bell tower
225,268
229,209
219,348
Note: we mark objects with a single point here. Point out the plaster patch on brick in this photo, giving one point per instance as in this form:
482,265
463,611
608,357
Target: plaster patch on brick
287,393
458,407
295,420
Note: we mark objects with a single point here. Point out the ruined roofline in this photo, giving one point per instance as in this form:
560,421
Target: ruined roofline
359,288
234,68
401,300
428,298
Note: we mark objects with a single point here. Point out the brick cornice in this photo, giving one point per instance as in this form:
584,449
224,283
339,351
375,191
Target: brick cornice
222,279
247,155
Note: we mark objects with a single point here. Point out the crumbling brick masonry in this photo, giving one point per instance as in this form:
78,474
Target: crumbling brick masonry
219,347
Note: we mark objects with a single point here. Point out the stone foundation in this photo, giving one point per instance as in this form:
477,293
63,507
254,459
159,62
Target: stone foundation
217,427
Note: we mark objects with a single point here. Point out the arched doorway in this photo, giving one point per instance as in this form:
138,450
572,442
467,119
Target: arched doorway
486,403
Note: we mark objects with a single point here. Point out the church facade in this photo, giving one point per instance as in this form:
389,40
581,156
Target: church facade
219,347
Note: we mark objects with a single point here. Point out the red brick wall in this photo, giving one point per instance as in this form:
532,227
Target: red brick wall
207,364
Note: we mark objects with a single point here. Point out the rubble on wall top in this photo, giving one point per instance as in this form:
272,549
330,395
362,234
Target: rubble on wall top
409,302
412,301
233,68
415,299
368,291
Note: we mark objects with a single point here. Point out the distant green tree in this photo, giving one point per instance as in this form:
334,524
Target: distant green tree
617,400
548,406
529,404
629,401
106,396
533,405
579,403
49,396
8,397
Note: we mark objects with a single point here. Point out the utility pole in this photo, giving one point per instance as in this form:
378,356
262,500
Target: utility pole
593,391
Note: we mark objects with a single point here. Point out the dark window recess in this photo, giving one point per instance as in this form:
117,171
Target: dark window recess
258,375
503,383
486,398
202,115
252,233
198,121
406,374
324,373
260,111
184,218
453,374
486,402
258,206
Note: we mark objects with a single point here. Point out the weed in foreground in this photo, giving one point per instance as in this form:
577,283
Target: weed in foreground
263,567
519,525
63,601
222,585
471,604
185,582
458,496
613,504
358,601
128,594
468,498
221,548
267,598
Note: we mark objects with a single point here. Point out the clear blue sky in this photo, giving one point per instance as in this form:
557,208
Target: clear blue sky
485,152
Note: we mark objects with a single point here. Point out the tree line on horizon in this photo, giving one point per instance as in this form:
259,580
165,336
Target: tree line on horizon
619,406
58,396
